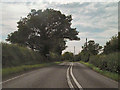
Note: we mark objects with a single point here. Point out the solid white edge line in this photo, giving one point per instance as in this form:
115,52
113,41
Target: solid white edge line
68,78
76,82
11,79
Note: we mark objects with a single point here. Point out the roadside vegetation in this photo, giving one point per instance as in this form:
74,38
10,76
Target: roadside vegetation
107,59
15,55
17,59
104,60
107,62
106,73
23,68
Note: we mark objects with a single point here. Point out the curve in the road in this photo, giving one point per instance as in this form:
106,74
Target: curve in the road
68,78
69,72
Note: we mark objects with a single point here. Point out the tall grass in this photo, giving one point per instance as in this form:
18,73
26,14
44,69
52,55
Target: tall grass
112,75
108,62
14,70
15,55
16,59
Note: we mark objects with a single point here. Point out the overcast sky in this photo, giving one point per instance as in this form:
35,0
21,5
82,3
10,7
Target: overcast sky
96,21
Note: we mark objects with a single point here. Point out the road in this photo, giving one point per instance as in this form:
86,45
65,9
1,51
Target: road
65,75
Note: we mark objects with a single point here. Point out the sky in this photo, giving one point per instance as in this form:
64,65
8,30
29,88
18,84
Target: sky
96,21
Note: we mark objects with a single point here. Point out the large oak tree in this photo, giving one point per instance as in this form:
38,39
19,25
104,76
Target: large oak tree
44,30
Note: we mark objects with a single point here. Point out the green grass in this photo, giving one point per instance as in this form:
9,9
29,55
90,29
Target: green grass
13,70
108,74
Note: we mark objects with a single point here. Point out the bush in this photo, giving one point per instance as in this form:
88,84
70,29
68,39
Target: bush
54,57
106,62
77,57
15,55
68,56
85,56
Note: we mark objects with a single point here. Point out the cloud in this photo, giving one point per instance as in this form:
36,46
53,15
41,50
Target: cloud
93,20
57,1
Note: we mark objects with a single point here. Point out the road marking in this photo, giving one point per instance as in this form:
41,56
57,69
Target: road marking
76,82
68,78
12,78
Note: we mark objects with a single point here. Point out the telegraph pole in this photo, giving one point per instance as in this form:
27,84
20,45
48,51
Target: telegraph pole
86,43
74,50
74,54
87,50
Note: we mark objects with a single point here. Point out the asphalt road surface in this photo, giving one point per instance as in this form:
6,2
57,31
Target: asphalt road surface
65,75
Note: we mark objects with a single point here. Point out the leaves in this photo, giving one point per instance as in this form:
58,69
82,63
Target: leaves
91,47
44,31
111,45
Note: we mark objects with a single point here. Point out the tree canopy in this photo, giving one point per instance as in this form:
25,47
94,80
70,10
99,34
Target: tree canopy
112,45
44,30
68,56
91,47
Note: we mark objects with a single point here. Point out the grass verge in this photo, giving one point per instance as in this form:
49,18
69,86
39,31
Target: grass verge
108,74
14,70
